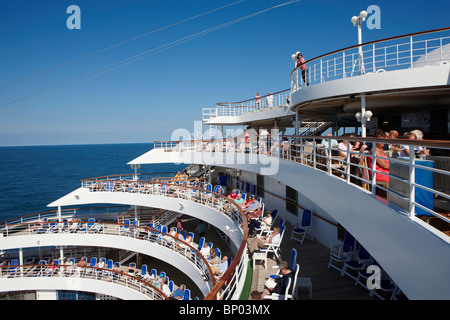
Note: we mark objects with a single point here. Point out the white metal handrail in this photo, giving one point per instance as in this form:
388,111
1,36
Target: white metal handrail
122,230
353,168
72,271
404,52
229,109
233,283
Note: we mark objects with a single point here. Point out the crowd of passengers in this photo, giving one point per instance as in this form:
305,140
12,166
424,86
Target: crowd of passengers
360,153
259,141
68,267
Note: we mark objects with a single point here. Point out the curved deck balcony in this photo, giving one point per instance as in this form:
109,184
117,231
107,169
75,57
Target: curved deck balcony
90,279
409,70
144,240
274,106
222,212
307,166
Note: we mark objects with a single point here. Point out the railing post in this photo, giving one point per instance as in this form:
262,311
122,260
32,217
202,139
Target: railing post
343,64
314,153
410,50
412,181
347,169
320,70
373,58
373,181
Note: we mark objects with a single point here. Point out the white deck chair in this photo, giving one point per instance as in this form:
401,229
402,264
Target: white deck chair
276,296
275,248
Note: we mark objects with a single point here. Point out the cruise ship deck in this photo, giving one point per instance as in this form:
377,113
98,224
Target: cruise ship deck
400,226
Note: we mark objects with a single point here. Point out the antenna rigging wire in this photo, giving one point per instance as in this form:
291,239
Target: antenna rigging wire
116,45
141,56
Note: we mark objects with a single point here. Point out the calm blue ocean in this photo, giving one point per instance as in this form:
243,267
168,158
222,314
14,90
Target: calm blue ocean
32,177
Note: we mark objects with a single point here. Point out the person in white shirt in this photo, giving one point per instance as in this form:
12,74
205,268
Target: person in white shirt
269,100
259,242
205,251
343,148
165,287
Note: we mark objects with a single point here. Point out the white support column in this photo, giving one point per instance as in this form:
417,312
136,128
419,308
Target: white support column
412,181
21,261
61,255
363,118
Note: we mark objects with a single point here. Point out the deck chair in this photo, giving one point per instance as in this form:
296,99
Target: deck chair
129,266
187,294
88,225
280,224
200,243
171,286
301,229
125,229
92,265
217,250
52,227
52,269
208,189
43,226
13,270
386,284
275,248
291,295
143,270
74,227
276,296
339,252
358,262
39,271
164,186
134,230
115,276
161,236
292,263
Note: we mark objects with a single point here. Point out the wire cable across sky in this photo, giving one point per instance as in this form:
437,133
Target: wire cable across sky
135,58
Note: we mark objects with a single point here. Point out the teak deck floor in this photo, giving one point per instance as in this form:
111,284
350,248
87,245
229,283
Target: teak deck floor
313,258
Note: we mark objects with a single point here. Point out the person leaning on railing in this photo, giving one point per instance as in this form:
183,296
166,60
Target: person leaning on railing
394,149
381,165
302,65
418,150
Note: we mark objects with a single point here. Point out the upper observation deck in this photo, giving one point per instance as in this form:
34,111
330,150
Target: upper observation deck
257,111
347,185
398,74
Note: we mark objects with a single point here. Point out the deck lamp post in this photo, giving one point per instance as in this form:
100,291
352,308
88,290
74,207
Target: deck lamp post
294,58
357,22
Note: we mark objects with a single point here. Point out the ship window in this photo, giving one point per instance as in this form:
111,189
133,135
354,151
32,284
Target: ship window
291,200
260,185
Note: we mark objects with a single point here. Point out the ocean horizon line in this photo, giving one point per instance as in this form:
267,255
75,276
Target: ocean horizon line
74,144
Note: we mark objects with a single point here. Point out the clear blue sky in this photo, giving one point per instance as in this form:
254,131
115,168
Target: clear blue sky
148,99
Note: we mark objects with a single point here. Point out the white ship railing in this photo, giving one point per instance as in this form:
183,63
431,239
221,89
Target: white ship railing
396,53
229,109
73,272
121,230
232,280
231,283
79,213
403,188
